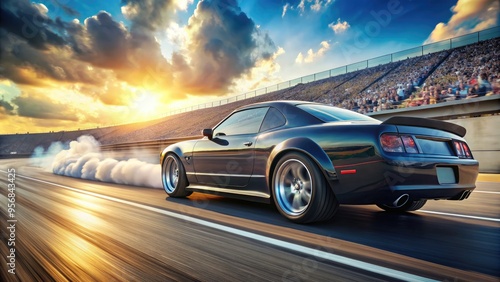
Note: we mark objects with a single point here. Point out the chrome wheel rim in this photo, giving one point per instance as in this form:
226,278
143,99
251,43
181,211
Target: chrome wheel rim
171,175
293,187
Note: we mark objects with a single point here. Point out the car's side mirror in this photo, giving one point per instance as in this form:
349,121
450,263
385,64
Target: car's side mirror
208,132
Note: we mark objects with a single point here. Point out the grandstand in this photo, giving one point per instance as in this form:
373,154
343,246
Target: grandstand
414,81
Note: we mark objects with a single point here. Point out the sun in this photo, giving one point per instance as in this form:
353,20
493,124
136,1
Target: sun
146,105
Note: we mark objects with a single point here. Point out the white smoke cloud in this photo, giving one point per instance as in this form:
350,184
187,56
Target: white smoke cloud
83,159
44,159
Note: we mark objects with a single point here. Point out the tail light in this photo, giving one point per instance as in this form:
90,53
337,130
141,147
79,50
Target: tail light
467,152
462,149
395,143
398,144
410,145
391,143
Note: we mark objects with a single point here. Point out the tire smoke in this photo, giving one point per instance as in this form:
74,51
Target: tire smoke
83,159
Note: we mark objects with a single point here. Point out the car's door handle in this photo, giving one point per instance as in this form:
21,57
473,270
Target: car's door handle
248,144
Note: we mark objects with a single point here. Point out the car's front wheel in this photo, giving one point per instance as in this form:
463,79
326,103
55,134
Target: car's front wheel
408,206
174,177
300,191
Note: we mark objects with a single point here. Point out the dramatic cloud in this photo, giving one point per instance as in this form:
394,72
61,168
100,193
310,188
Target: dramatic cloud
33,52
42,108
339,27
34,55
30,22
468,16
149,14
98,53
122,69
101,41
24,64
222,44
263,74
311,55
5,108
134,56
67,9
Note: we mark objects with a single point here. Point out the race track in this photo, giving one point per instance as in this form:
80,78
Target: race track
74,229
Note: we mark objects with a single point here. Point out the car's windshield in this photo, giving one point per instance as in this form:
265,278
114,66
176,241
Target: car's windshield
329,113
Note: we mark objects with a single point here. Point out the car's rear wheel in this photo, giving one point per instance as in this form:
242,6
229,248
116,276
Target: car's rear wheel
408,206
174,177
300,191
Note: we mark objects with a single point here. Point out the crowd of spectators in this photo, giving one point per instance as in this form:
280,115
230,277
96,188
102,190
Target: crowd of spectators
461,73
366,77
390,91
470,71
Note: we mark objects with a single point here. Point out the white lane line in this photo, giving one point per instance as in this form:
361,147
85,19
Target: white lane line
387,272
461,215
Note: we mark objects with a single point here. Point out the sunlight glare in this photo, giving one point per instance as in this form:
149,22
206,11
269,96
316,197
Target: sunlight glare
146,104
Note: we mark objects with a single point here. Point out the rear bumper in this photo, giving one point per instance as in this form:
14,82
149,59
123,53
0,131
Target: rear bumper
385,181
442,192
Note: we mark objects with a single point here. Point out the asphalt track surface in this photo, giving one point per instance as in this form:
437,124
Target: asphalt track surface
78,230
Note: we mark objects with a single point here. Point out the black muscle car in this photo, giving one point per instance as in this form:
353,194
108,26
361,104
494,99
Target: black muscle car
308,158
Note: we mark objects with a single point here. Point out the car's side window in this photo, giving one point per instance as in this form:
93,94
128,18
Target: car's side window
274,118
243,122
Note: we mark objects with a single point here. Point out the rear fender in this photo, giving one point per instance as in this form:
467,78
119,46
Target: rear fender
306,146
184,151
172,148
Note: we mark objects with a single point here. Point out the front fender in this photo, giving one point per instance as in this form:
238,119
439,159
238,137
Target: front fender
306,146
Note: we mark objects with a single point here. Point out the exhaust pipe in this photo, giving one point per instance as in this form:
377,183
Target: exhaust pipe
399,202
461,196
465,195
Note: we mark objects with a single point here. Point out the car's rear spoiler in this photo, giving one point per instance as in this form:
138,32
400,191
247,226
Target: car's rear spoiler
429,123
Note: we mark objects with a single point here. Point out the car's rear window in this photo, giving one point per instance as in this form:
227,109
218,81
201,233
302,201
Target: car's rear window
329,113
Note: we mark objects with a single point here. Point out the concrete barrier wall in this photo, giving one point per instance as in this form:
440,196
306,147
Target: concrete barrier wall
483,137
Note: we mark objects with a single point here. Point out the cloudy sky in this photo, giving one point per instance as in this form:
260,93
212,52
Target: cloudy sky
68,64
